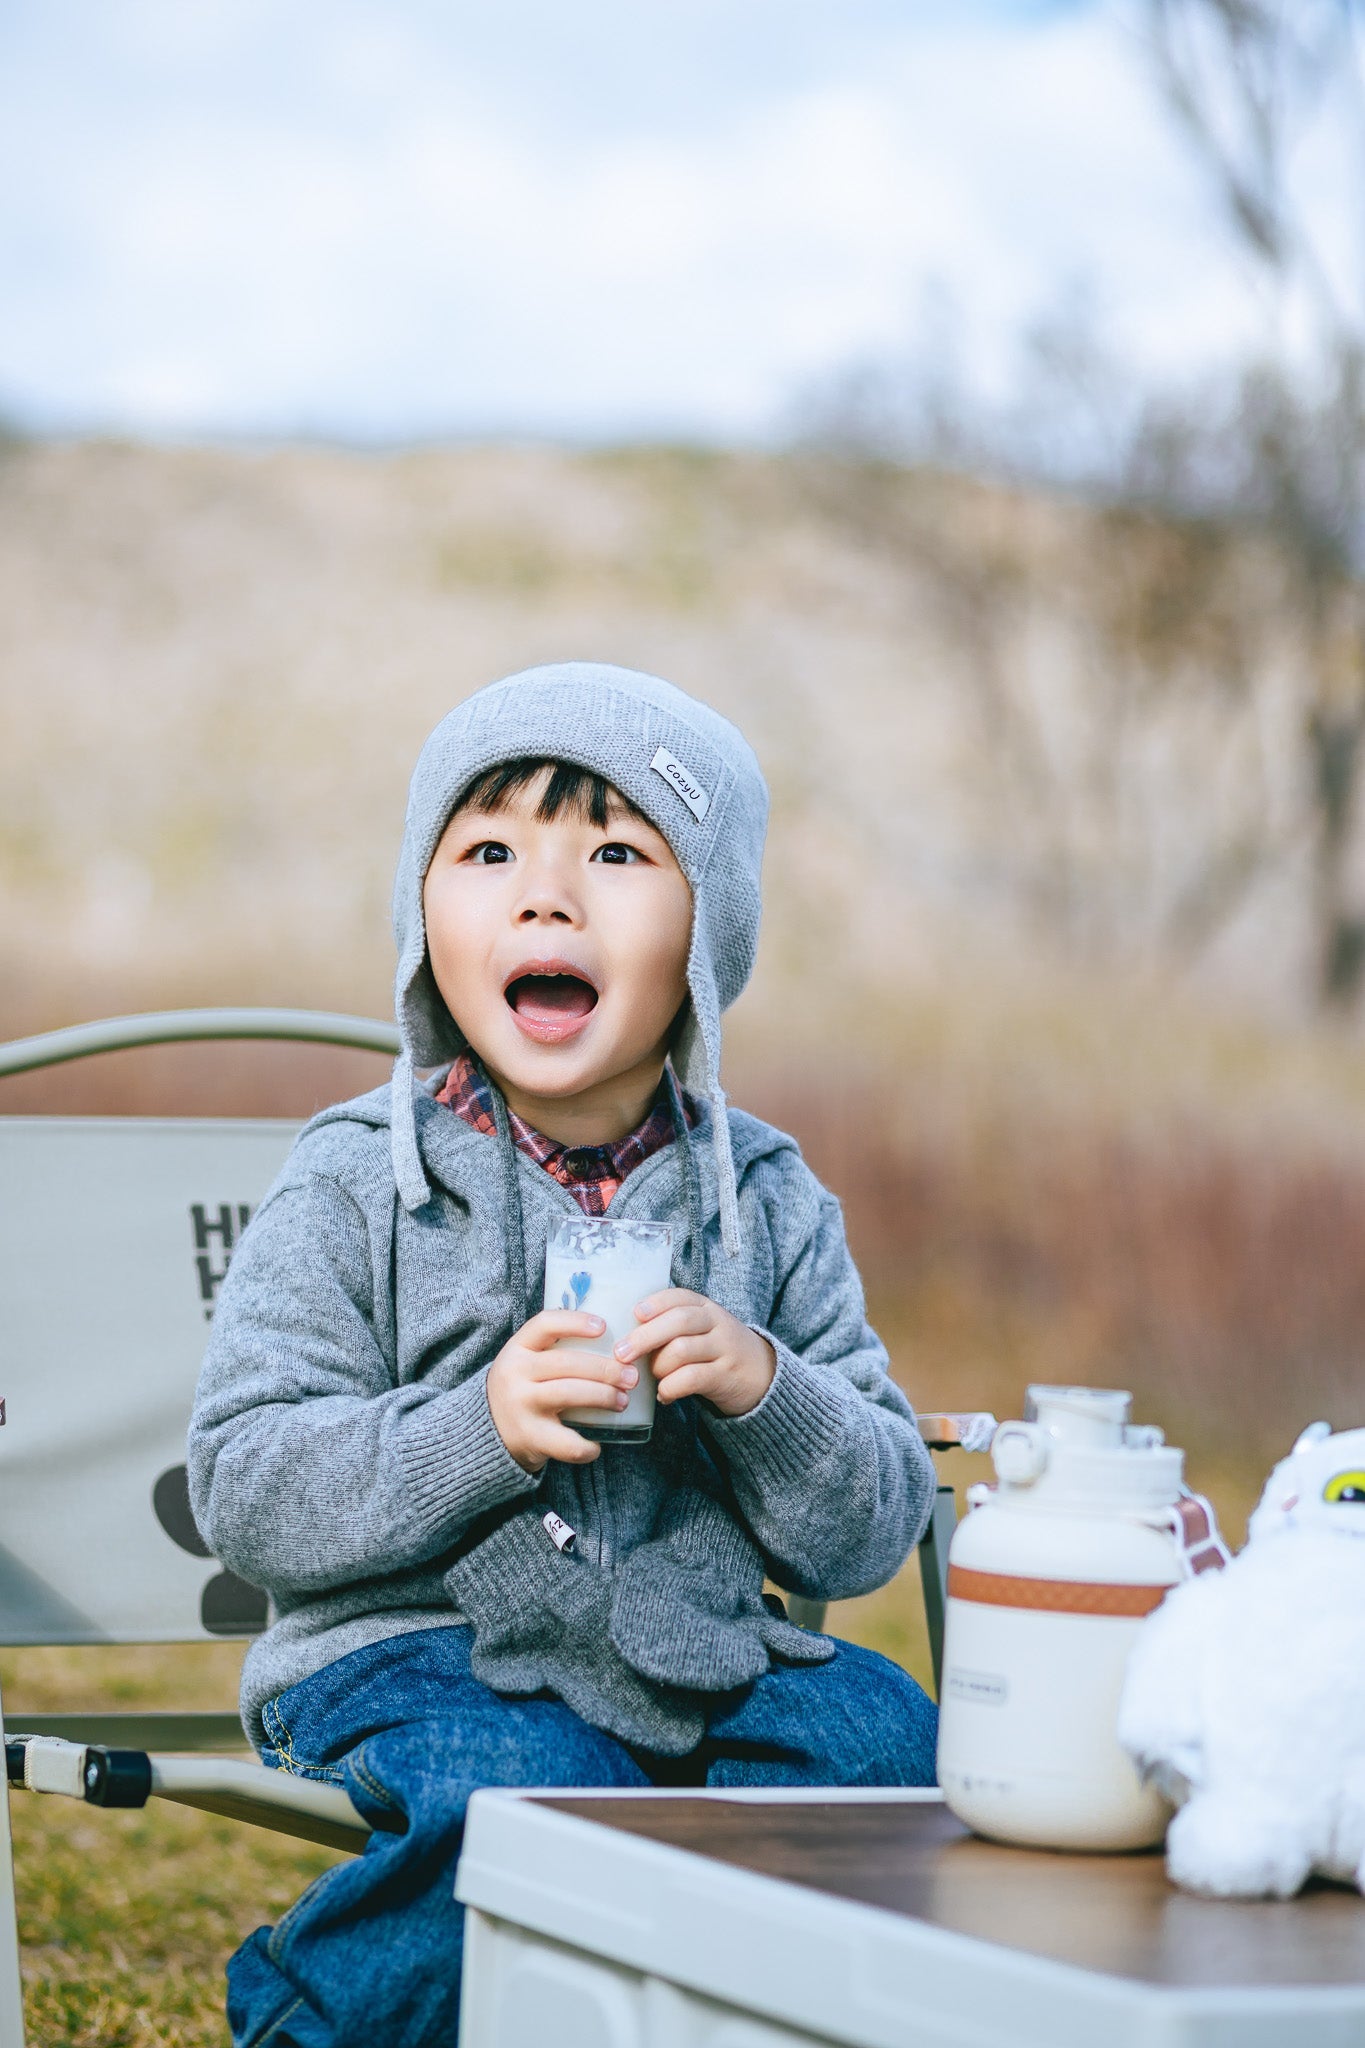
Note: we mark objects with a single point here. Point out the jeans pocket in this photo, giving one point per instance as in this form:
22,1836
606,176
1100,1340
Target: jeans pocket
281,1754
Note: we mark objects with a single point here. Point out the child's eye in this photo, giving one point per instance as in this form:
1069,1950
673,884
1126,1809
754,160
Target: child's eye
616,853
489,853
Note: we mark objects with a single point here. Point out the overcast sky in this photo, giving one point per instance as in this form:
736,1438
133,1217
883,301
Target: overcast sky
622,217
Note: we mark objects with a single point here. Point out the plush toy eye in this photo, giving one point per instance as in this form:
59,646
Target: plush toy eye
1348,1487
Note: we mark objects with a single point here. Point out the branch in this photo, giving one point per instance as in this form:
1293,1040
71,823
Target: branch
1243,78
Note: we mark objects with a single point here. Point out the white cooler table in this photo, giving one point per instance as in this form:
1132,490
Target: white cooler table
732,1920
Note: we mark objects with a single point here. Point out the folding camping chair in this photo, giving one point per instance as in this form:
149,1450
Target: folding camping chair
115,1234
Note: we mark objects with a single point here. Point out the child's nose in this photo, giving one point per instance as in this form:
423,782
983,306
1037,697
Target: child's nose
547,898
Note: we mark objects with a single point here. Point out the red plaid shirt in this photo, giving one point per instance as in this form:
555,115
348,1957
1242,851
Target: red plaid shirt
591,1173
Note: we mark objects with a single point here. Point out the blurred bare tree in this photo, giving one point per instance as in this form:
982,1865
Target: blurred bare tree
1203,727
1119,689
1118,701
1249,82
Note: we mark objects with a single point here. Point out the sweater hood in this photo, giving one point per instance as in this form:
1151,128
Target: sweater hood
693,776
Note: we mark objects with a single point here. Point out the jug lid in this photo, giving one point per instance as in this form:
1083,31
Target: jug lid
1076,1450
1079,1415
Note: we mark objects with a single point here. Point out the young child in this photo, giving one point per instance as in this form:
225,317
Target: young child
377,1436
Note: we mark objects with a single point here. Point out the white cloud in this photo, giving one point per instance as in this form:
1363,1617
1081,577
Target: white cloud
394,220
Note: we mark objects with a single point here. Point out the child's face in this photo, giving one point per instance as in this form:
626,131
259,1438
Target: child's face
559,947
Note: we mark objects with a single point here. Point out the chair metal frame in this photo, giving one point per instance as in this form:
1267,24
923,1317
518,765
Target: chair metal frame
122,1759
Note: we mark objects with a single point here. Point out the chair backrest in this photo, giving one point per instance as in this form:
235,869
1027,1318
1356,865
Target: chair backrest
115,1234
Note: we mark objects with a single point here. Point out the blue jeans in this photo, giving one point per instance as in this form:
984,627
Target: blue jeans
369,1957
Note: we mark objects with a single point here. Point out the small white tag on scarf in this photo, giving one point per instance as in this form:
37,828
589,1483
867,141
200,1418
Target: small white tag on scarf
558,1530
683,780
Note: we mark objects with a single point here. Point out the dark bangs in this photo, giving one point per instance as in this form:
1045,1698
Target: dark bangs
571,790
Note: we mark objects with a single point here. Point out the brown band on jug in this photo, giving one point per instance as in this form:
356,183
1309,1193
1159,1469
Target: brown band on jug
1053,1596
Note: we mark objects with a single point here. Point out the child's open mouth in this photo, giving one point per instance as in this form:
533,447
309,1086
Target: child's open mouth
551,1002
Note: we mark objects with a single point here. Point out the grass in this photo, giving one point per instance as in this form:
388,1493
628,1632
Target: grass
127,1919
1079,1175
1215,1272
1211,1261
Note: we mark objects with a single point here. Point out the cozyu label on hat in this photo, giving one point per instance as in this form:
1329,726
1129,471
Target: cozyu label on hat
688,788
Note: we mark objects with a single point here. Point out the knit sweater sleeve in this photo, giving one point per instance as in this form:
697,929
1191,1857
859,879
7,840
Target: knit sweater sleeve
829,1468
310,1468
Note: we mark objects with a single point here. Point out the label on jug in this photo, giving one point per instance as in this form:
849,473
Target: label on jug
987,1688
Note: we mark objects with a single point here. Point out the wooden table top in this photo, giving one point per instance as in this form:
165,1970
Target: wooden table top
1116,1914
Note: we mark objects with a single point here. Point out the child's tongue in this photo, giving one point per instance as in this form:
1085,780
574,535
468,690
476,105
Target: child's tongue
548,998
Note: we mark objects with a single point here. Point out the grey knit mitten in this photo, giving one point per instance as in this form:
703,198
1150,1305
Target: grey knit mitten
688,1606
541,1619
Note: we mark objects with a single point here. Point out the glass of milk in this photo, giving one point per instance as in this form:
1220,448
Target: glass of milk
604,1269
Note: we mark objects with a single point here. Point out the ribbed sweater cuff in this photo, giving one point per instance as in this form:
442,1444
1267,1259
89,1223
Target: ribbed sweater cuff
800,1425
455,1463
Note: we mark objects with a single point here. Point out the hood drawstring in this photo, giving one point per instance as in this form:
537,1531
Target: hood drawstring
516,1222
690,1182
725,1172
409,1174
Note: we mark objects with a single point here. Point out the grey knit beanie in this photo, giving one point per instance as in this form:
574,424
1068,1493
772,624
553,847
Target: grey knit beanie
693,776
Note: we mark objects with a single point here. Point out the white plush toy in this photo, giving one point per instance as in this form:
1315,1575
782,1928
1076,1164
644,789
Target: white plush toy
1244,1697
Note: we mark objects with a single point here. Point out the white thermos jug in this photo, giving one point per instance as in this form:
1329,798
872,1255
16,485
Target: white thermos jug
1050,1574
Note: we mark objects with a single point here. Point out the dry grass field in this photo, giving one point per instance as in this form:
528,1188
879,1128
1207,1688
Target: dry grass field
1219,1277
1083,1127
998,730
126,1919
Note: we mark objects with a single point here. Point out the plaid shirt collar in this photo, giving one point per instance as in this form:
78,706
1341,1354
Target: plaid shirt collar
591,1173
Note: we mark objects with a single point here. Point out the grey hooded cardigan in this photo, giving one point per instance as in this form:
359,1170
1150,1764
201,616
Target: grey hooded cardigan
342,1454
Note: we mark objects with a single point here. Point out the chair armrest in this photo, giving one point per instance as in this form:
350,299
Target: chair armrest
967,1432
171,1733
242,1791
268,1799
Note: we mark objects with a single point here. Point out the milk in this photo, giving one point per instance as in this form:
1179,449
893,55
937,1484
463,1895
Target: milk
604,1269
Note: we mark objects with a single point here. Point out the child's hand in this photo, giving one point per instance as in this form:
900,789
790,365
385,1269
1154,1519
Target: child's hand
530,1384
699,1348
